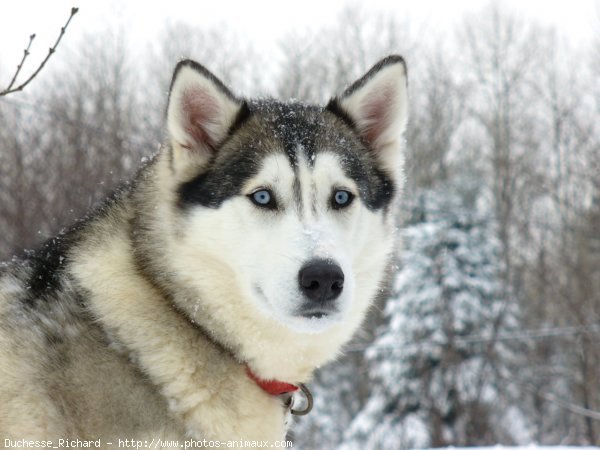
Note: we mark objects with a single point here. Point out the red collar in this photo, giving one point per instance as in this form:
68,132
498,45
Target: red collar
272,387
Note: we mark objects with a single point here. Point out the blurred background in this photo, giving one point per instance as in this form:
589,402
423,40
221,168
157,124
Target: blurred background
491,334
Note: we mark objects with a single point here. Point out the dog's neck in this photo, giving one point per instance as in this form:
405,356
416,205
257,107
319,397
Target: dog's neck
188,368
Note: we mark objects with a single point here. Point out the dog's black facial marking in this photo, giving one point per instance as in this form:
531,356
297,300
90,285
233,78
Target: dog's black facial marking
382,192
261,128
376,187
295,126
297,188
225,176
221,182
298,131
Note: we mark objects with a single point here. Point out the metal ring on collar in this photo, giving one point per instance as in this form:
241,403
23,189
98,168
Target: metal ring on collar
309,402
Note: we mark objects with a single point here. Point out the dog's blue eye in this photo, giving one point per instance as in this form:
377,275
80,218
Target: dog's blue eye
342,199
263,198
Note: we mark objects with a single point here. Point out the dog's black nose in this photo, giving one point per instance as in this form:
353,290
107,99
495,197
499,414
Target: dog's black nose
321,280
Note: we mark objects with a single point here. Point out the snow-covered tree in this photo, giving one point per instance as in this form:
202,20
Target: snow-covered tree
435,365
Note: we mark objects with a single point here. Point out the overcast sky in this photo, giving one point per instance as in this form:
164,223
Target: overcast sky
263,22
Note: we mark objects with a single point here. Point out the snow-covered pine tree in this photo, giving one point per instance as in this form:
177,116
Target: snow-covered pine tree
435,373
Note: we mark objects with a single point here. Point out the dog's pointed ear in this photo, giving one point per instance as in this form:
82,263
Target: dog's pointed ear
376,106
200,112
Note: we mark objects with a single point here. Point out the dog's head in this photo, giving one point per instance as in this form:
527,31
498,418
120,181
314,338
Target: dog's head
285,209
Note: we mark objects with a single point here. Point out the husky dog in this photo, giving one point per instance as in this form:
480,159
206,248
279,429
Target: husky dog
240,258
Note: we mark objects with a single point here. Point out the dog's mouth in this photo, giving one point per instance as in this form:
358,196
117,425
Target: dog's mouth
314,315
317,312
309,312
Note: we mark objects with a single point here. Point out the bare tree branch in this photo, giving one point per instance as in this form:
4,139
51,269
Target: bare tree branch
10,89
25,55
